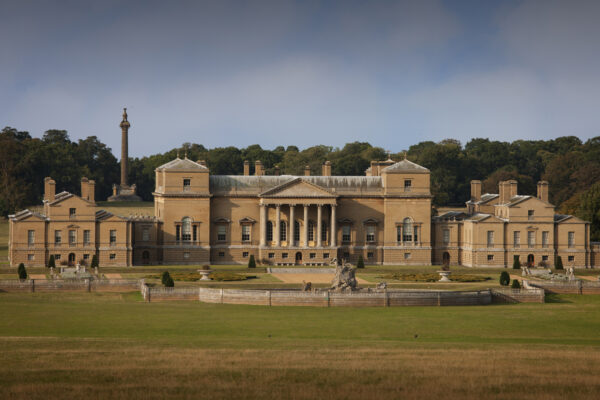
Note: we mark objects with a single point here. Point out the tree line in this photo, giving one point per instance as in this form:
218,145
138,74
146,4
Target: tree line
571,167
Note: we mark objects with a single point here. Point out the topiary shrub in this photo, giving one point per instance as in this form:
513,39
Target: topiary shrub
227,276
169,282
94,263
558,264
516,263
515,284
504,278
164,278
361,262
251,262
51,262
22,272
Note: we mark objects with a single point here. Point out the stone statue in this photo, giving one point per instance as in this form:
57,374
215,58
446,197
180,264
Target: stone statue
571,273
306,286
344,278
381,285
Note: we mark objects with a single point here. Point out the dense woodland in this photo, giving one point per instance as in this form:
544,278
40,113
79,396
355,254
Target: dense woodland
571,166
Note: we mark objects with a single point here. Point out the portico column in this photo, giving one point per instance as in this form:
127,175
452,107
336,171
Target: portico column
263,225
291,228
333,226
305,227
319,224
277,225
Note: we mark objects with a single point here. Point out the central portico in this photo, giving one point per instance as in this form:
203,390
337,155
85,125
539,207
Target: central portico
299,216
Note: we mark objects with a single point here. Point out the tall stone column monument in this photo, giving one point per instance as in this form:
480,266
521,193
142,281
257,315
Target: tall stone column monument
124,192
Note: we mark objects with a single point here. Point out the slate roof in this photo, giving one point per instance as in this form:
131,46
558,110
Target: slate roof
184,164
405,165
21,215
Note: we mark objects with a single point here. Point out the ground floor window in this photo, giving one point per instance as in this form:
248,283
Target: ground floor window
57,256
221,254
112,256
325,255
490,257
86,256
544,258
571,258
370,254
245,254
271,255
30,257
312,255
407,256
284,255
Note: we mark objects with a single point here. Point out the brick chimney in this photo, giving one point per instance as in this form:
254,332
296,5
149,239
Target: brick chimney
475,190
84,188
542,191
246,167
326,168
307,170
92,191
49,189
513,188
258,168
503,191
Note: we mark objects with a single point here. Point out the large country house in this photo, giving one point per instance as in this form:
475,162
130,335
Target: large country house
385,217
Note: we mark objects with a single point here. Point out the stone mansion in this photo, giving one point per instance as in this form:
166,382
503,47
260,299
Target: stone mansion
385,216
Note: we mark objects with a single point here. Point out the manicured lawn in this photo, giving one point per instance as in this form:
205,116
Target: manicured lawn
114,345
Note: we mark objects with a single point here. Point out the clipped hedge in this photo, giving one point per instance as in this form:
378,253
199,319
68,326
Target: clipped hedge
434,277
227,277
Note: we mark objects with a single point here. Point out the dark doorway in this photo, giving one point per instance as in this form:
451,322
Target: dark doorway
71,259
446,259
146,258
530,261
298,258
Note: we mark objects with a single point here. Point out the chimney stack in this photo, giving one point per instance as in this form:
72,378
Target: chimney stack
49,189
84,188
92,191
475,190
513,188
542,191
246,167
307,170
258,168
326,168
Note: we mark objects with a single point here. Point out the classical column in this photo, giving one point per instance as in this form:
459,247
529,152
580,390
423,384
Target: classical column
319,224
124,151
277,225
291,227
305,233
263,225
333,226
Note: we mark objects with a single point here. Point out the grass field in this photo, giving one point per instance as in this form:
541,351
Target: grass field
102,345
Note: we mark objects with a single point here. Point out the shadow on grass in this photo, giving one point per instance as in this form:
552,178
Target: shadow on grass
555,298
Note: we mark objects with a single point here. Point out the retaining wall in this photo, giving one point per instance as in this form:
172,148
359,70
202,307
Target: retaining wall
84,285
573,287
508,295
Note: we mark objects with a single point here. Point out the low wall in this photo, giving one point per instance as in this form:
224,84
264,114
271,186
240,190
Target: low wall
305,270
84,285
572,287
508,295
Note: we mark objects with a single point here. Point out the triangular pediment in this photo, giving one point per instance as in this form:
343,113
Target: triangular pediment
297,188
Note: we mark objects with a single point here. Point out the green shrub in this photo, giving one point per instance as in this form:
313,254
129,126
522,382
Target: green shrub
227,276
21,271
165,277
251,262
94,263
361,262
51,262
515,284
169,282
559,264
504,278
516,263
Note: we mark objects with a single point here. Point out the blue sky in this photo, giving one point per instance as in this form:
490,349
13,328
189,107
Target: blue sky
301,73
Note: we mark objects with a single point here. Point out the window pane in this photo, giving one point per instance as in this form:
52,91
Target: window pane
269,231
407,230
282,231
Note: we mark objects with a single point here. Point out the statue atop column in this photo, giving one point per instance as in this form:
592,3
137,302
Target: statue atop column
124,192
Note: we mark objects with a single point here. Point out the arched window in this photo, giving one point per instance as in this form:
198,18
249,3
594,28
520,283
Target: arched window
311,231
186,228
282,231
407,230
269,231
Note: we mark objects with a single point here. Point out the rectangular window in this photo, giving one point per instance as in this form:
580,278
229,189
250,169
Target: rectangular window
269,231
72,237
145,234
57,238
245,254
284,255
398,234
86,237
416,234
346,233
490,257
112,256
370,254
245,233
571,258
282,231
72,212
221,254
271,255
30,257
545,235
311,231
530,238
312,255
178,233
325,255
530,214
571,239
446,236
195,232
86,256
113,237
370,233
516,239
187,185
407,185
324,231
544,258
186,255
490,238
221,233
407,256
57,257
30,237
296,231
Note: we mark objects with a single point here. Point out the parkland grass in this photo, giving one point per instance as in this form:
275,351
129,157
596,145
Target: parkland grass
111,345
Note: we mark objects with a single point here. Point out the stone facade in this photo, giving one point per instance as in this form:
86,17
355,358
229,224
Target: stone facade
384,216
